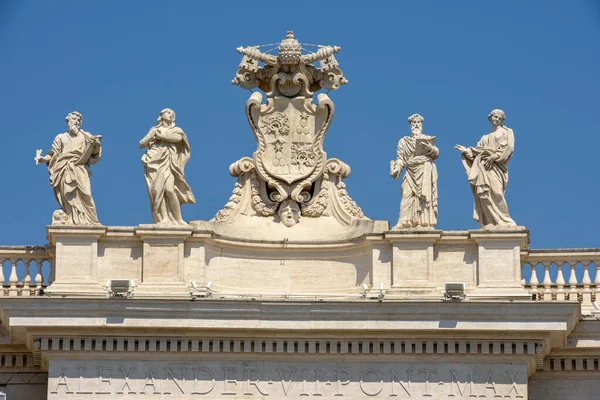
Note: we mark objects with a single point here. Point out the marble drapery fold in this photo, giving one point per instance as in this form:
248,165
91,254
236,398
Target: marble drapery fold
489,184
419,204
68,164
164,162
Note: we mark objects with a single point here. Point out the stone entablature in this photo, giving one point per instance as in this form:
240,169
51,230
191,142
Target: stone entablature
185,347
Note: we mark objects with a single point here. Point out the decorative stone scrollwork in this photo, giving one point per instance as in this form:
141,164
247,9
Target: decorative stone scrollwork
262,206
289,174
234,201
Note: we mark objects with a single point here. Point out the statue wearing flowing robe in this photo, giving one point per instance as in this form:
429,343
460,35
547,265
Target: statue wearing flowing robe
69,163
164,162
488,183
419,204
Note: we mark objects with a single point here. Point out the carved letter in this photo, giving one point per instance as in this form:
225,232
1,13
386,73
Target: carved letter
283,379
513,378
102,380
428,373
126,374
396,379
207,372
379,378
490,383
340,382
304,373
228,380
150,382
317,377
454,379
62,380
172,377
80,370
255,383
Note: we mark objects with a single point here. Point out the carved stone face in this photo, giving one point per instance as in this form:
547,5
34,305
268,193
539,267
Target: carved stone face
496,119
73,122
168,116
289,213
416,126
59,217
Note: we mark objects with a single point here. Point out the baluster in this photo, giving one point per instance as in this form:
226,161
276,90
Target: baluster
547,281
597,283
533,281
52,273
26,278
560,281
2,278
586,282
573,282
13,290
39,278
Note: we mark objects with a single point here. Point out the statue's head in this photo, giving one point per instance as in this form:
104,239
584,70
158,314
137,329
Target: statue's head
416,123
290,50
167,115
74,121
59,217
496,117
289,212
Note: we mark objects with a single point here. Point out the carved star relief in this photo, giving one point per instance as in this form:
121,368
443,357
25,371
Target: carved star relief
278,145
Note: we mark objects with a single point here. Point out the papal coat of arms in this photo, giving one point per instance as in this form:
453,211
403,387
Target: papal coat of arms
289,174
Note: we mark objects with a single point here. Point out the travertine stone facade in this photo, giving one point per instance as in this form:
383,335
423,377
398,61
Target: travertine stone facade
291,292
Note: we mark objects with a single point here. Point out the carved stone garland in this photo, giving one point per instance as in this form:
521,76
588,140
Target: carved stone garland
290,164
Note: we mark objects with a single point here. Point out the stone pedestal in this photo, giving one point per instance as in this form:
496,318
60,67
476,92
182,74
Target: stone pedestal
77,255
412,260
163,273
499,262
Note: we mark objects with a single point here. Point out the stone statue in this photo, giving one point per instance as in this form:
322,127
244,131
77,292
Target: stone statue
487,172
69,163
168,151
289,174
415,155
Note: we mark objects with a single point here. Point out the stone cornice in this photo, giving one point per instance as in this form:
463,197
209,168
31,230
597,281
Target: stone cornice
358,316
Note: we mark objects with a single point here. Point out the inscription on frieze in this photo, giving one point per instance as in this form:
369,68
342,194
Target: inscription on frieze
85,379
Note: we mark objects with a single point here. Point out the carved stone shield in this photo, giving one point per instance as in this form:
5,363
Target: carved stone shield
290,135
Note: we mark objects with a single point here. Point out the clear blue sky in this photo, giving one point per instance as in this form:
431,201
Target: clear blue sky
120,62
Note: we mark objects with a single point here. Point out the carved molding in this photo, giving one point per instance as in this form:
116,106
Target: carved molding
17,360
552,363
293,346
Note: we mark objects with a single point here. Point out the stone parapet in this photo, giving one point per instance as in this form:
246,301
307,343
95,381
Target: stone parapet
169,262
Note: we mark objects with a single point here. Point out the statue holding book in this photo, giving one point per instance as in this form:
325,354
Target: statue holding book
415,155
487,171
69,163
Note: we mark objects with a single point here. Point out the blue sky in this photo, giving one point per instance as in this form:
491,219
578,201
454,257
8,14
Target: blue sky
120,62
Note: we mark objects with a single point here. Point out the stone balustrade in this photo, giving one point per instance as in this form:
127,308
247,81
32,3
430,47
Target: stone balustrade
29,270
563,274
546,274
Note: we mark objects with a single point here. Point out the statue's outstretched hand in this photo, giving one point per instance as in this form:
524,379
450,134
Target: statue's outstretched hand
460,148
